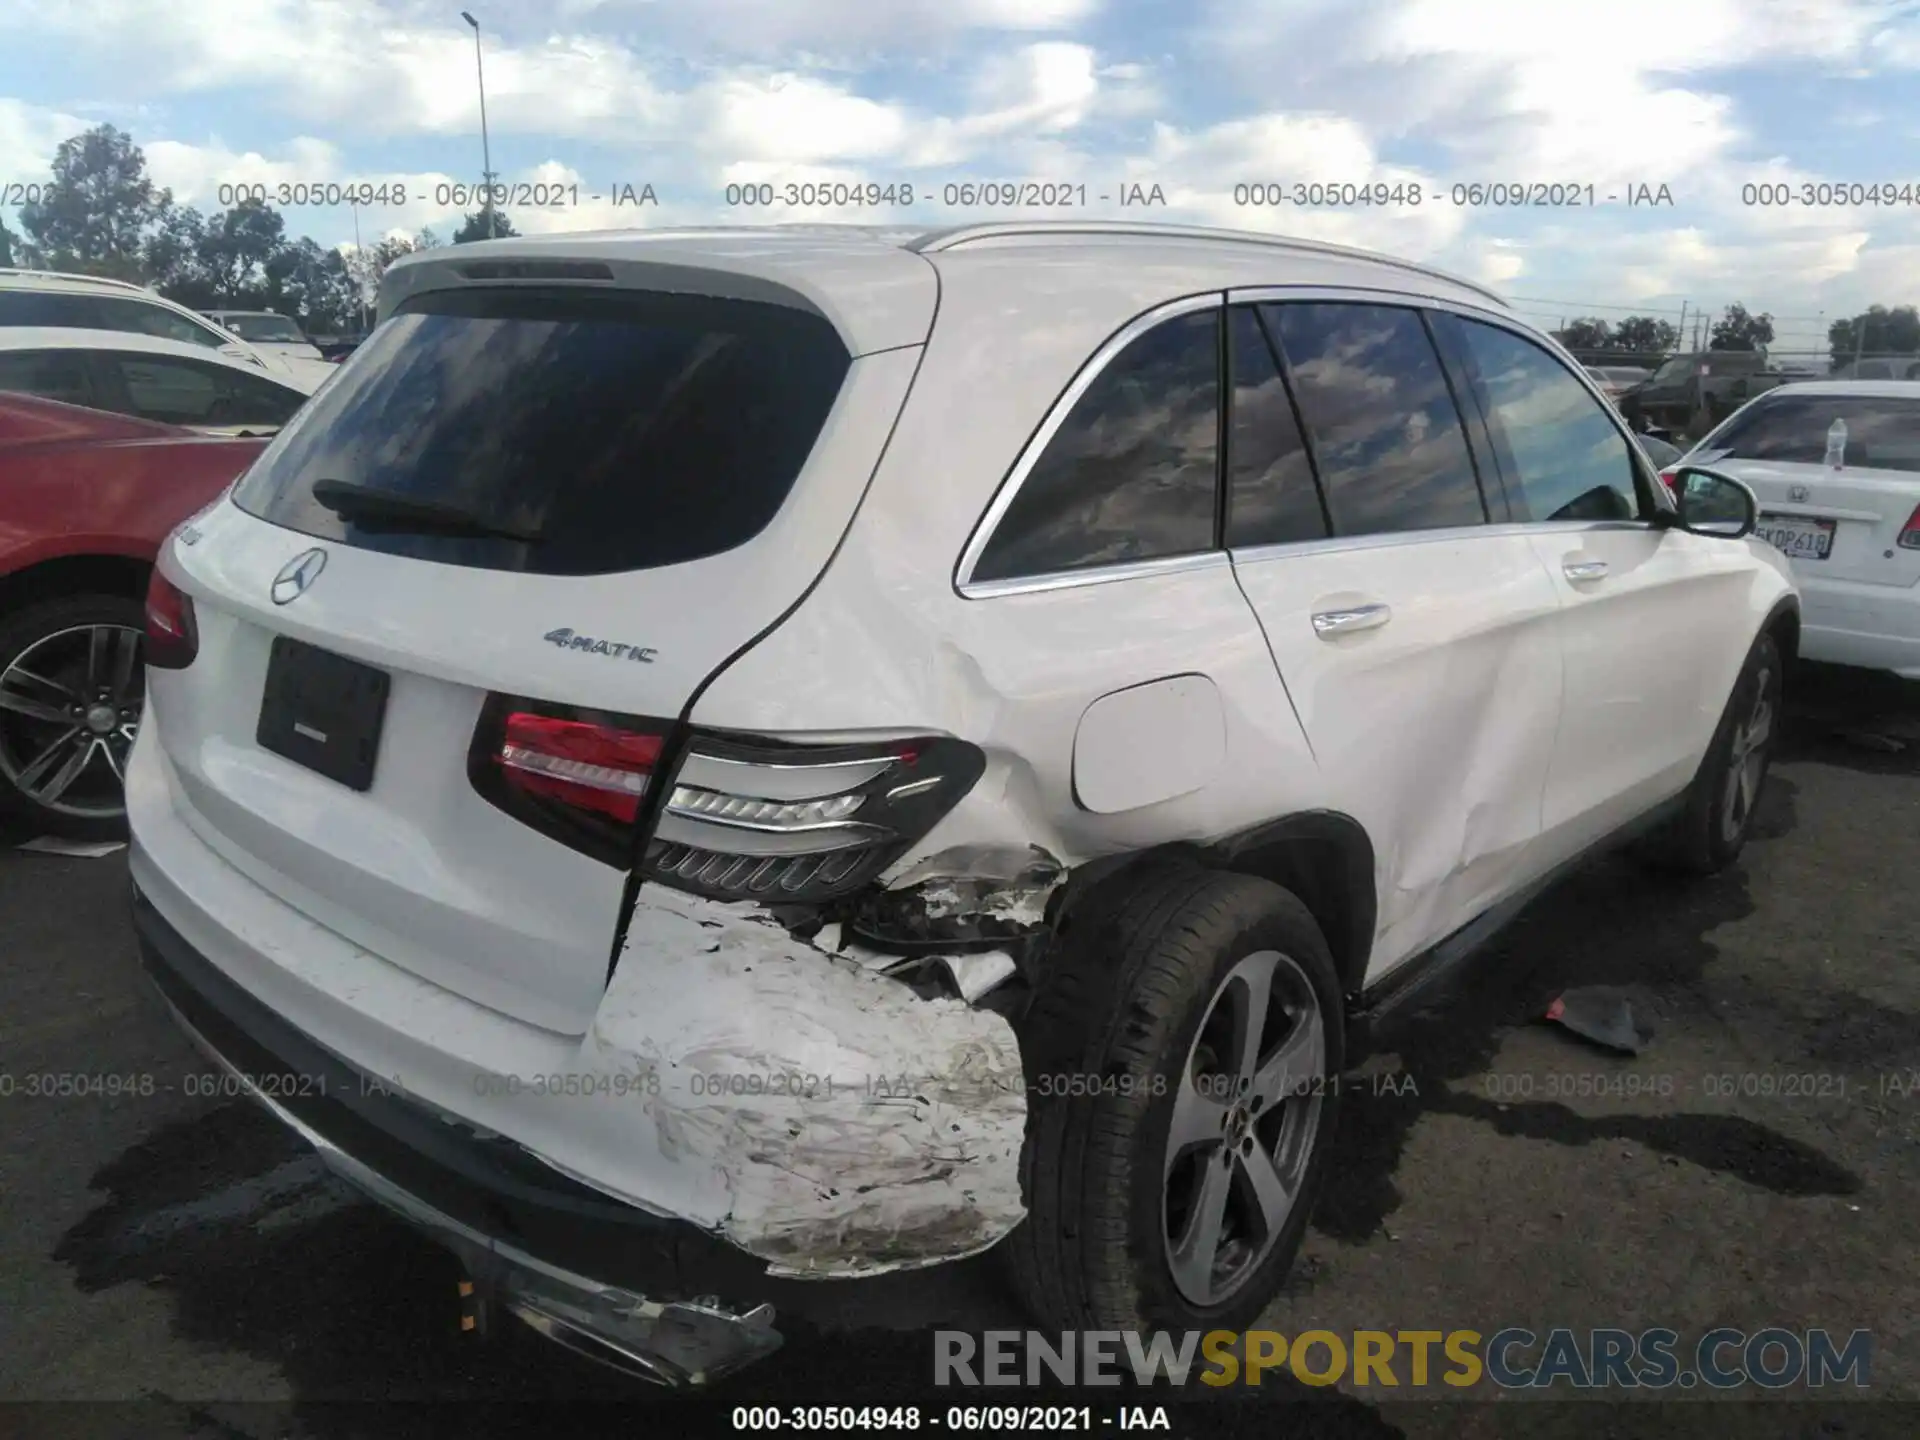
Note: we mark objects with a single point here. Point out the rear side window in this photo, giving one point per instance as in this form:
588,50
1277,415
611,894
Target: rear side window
1883,432
189,392
1273,499
136,317
1131,473
609,432
50,308
50,374
1559,452
1384,428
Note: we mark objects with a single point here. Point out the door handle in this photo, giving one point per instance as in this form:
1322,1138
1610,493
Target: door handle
1578,570
1329,623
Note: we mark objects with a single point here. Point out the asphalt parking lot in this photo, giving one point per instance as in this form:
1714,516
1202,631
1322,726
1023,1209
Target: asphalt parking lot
180,1252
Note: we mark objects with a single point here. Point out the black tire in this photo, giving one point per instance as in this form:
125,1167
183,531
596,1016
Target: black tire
94,808
1710,832
1122,1008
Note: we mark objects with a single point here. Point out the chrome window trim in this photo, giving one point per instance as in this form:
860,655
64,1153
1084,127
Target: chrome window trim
1036,446
1287,549
1097,575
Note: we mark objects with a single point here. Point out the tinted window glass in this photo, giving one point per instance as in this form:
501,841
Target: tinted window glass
1385,432
628,431
1560,454
188,392
30,307
136,317
1130,475
50,374
1272,496
1883,433
264,329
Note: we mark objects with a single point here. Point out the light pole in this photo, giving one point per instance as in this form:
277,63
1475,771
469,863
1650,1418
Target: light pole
486,151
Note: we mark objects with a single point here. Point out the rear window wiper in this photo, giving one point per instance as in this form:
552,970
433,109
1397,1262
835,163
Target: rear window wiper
386,510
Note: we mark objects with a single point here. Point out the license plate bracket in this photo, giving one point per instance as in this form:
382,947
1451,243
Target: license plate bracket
1799,537
323,711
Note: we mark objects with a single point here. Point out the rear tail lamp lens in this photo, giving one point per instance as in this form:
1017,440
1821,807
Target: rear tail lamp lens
1910,532
602,768
752,819
741,818
1667,479
173,636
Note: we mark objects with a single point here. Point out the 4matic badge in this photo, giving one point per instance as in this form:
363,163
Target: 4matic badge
567,640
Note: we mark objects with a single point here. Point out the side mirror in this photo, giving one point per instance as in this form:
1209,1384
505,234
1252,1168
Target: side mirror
1709,502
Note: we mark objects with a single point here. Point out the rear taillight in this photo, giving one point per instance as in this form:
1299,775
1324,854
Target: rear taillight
1667,478
753,819
173,639
744,819
591,766
1910,532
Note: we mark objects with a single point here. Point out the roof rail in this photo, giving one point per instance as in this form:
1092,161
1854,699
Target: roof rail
953,236
71,275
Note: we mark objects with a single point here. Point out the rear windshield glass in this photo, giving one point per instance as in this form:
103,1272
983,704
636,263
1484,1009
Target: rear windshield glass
605,432
1883,433
264,328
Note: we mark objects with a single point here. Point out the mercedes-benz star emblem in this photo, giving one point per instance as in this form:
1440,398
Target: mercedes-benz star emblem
297,575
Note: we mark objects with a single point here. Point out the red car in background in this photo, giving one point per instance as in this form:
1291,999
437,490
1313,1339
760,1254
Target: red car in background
85,500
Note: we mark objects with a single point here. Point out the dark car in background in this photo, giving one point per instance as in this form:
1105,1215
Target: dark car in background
1690,394
86,497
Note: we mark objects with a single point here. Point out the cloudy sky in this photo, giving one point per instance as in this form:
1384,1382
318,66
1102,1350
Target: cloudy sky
1704,96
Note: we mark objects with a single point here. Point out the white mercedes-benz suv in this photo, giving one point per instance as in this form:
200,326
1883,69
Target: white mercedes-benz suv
709,759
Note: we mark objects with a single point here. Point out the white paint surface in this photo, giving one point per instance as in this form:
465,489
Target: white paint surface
1148,743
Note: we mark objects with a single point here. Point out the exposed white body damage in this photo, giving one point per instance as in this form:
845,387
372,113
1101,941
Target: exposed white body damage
852,1126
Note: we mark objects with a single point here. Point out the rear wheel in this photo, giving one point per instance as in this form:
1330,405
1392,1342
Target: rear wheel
71,692
1181,1060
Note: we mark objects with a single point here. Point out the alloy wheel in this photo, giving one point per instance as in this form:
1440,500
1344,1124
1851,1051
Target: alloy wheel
70,707
1245,1116
1747,761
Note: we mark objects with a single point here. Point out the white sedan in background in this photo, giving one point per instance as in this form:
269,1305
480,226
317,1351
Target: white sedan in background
1836,468
169,381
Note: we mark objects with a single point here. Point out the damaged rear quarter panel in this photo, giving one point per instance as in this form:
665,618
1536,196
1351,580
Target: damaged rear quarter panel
850,1126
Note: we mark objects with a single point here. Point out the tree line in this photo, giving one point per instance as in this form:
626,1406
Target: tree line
1877,330
101,214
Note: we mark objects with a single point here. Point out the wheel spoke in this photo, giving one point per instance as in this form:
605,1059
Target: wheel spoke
1270,1193
1193,1256
113,760
31,772
63,778
100,640
1196,1118
1294,1065
126,655
1250,1017
11,699
1760,728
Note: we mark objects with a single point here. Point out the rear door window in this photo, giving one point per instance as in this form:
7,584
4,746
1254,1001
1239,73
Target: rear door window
1883,432
51,374
1272,496
1132,472
1381,419
610,431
